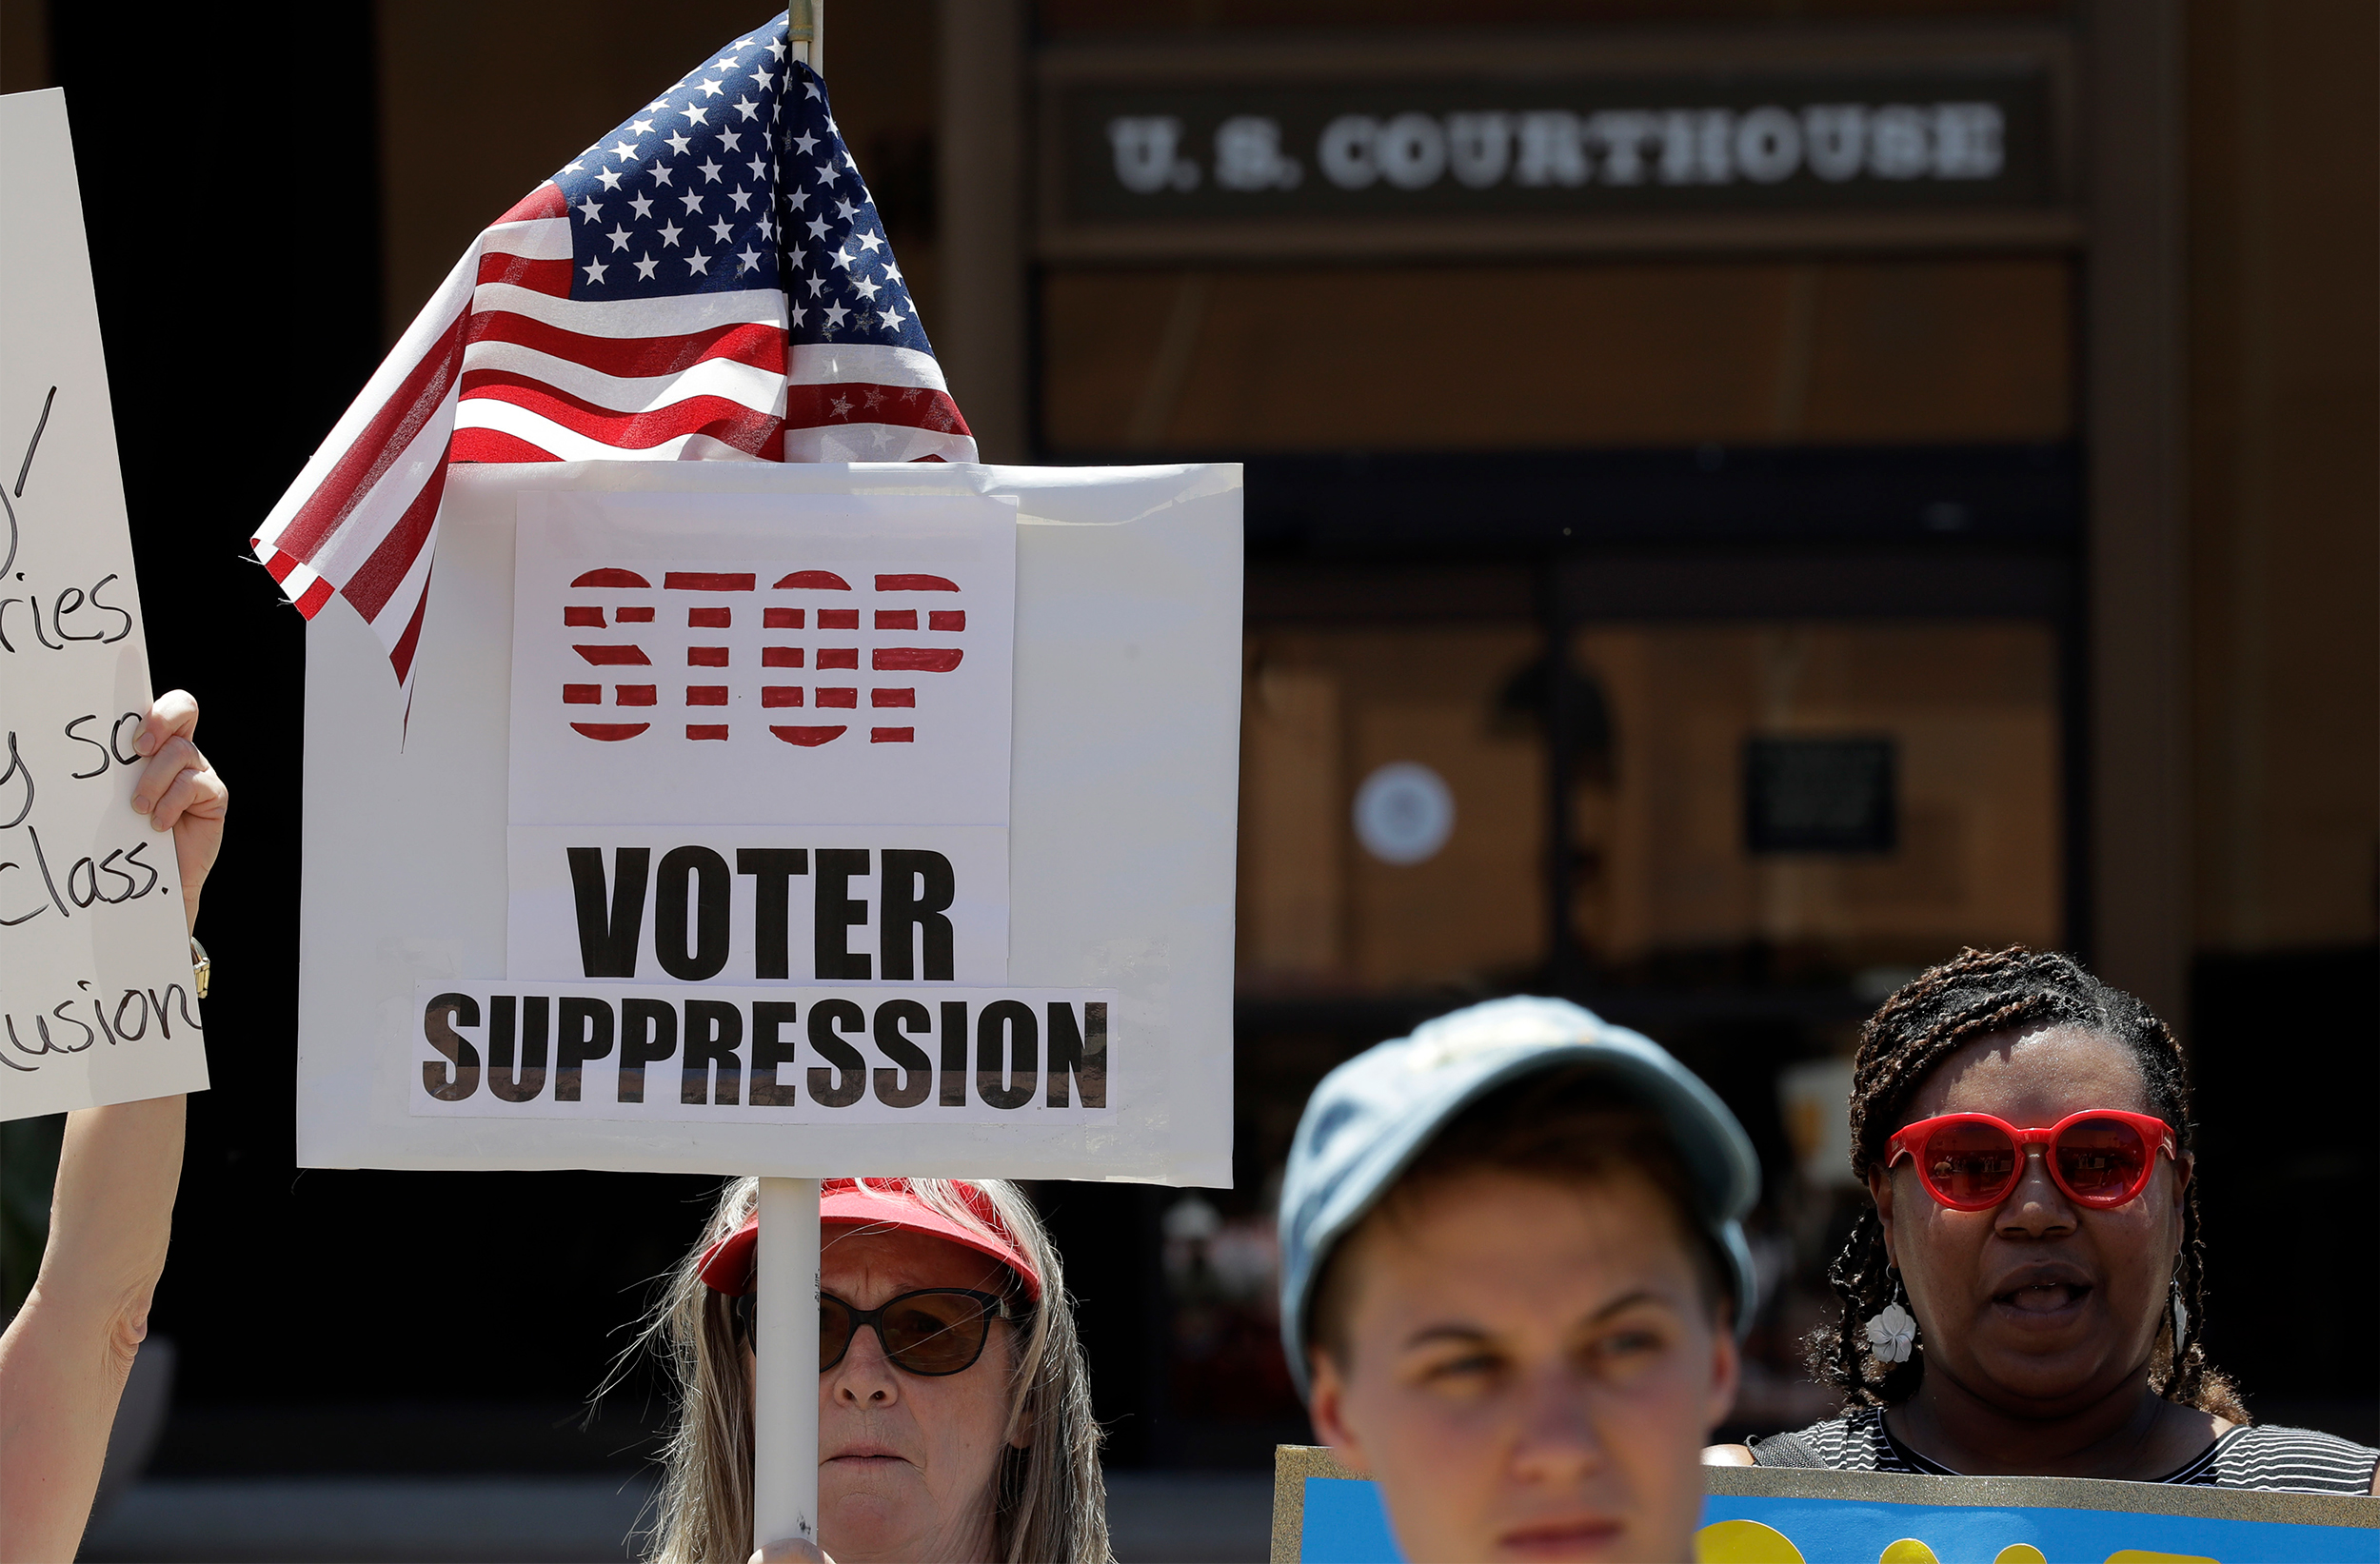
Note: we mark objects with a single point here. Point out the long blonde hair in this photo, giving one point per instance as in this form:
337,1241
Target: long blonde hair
1050,1502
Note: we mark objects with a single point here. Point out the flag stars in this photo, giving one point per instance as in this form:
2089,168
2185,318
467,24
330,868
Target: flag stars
678,142
642,205
827,174
765,78
867,288
750,257
693,200
669,232
758,167
659,171
610,178
746,107
804,141
595,270
709,171
695,115
721,230
845,211
871,242
844,257
892,317
892,269
796,314
818,228
798,200
591,209
709,86
618,237
623,151
645,267
643,128
731,141
696,263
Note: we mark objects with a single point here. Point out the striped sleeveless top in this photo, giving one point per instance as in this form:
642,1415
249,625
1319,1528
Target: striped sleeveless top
2284,1460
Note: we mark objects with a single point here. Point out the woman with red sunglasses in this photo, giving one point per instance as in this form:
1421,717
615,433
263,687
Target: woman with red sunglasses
2026,1296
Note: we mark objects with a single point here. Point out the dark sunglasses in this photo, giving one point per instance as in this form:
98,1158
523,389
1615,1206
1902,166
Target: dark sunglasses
934,1331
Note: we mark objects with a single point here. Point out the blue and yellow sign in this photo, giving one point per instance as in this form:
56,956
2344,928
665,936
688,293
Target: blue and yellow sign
1323,1515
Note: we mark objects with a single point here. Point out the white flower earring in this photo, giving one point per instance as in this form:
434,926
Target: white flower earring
1892,1332
2181,1319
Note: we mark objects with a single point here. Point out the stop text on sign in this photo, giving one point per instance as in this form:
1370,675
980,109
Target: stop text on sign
781,1054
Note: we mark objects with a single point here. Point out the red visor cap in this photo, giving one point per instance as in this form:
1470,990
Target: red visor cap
727,1266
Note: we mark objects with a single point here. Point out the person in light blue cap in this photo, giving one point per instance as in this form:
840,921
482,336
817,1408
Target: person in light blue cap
1513,1278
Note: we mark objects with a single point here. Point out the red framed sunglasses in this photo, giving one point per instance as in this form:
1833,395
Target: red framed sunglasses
2100,1158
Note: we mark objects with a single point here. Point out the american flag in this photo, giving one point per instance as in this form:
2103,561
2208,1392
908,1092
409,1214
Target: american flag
709,282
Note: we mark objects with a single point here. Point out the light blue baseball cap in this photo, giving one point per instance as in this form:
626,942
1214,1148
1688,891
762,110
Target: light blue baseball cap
1371,1117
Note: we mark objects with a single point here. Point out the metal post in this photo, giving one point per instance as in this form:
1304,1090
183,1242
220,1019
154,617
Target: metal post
805,31
784,1420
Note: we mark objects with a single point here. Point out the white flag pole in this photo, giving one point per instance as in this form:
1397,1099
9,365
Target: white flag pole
785,1348
784,1420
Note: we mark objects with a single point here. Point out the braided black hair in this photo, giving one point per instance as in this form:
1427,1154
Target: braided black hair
1971,996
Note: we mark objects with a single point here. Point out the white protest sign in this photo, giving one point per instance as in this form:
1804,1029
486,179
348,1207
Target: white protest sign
997,946
95,987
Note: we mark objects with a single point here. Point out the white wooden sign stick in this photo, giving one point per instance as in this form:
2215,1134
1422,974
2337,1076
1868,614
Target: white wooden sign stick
784,1424
785,1345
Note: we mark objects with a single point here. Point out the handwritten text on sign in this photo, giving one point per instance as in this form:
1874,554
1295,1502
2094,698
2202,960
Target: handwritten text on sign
95,1002
735,660
806,1054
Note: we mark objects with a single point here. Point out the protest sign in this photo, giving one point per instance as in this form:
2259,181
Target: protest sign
95,957
982,928
1322,1514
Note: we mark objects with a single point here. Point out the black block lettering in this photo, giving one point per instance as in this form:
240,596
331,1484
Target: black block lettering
828,1018
772,870
581,1032
714,1030
608,934
1078,1054
836,915
520,1085
699,875
916,890
648,1033
906,1086
1013,1021
439,1021
770,1048
954,1077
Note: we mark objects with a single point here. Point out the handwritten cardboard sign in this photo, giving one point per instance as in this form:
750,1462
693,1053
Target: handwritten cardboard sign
1322,1514
95,1002
968,915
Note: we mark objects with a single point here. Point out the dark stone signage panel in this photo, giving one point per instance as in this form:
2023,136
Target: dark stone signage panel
1740,141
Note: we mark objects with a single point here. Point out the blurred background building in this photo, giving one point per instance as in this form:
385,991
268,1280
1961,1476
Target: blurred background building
1744,498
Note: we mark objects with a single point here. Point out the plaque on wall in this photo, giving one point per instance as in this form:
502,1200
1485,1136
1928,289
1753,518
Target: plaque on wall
1819,795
